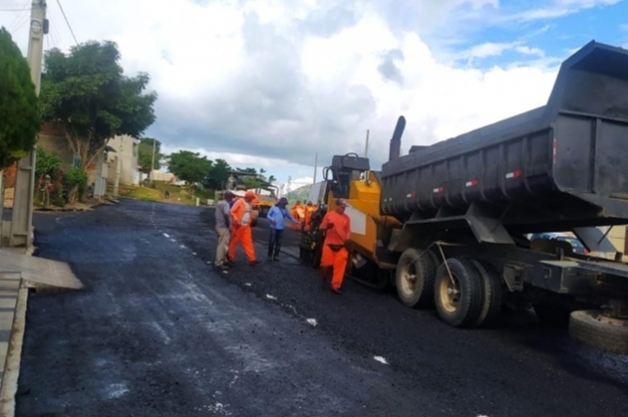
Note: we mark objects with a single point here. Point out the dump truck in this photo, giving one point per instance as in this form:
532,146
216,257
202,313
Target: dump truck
449,224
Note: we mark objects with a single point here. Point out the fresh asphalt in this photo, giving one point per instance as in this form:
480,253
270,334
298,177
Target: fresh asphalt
158,332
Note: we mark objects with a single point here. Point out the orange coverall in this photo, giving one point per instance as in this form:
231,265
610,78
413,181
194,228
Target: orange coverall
337,235
296,211
241,233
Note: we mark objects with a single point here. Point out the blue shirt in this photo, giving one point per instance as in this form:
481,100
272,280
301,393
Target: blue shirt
279,214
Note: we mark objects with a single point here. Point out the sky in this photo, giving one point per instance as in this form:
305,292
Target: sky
271,83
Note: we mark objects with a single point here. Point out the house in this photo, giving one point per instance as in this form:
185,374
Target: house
116,164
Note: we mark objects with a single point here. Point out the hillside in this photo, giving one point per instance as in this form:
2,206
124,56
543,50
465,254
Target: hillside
300,193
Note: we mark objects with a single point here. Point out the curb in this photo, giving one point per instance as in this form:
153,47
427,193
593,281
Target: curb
14,356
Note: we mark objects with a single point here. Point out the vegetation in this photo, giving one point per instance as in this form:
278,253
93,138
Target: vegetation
145,155
47,165
20,120
88,94
189,166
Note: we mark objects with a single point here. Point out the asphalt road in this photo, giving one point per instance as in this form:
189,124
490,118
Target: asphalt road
158,333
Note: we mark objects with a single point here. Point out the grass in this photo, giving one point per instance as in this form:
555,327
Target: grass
178,195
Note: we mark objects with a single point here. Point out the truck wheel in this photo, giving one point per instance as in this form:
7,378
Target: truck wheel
492,295
593,328
459,297
415,278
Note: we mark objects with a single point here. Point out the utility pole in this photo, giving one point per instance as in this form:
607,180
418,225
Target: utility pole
152,164
22,213
315,167
366,147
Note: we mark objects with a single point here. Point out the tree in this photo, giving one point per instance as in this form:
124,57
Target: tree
20,120
88,94
145,155
189,166
218,175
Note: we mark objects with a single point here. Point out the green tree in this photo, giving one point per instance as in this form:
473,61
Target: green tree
145,155
189,166
218,175
19,120
87,92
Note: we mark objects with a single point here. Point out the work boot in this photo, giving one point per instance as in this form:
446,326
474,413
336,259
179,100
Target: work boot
254,263
221,266
276,258
336,291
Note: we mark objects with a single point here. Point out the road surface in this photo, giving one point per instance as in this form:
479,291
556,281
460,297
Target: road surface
158,332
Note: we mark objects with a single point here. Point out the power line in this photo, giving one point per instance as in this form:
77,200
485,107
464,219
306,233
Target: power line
67,21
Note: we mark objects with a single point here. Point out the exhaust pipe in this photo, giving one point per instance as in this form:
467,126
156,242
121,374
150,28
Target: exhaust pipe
395,141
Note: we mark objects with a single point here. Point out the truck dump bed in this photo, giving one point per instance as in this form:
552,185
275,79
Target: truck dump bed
557,167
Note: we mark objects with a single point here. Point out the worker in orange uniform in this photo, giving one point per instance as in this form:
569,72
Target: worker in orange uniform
241,219
296,211
335,253
309,209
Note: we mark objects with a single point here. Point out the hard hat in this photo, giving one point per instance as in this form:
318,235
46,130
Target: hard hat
249,194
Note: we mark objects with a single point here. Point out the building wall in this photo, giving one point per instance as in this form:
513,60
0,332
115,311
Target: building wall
52,139
163,176
126,151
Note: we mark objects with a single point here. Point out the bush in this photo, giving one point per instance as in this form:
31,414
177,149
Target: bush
47,164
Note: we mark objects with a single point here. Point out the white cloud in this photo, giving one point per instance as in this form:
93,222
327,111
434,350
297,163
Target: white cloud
269,83
559,8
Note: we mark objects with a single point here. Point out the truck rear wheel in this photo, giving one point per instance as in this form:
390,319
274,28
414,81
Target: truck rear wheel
593,328
415,278
492,294
458,297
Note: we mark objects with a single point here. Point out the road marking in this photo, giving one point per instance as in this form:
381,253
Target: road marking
182,246
312,322
380,359
167,235
193,253
248,284
270,297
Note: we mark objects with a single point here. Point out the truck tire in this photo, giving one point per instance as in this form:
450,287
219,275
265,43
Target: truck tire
458,303
596,330
492,295
414,278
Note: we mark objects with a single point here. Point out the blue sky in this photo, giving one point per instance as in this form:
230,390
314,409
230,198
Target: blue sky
270,83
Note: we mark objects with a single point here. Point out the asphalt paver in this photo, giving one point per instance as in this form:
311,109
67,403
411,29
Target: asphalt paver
159,332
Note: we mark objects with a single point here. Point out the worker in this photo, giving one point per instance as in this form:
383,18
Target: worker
294,211
309,209
335,253
241,219
223,223
276,216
